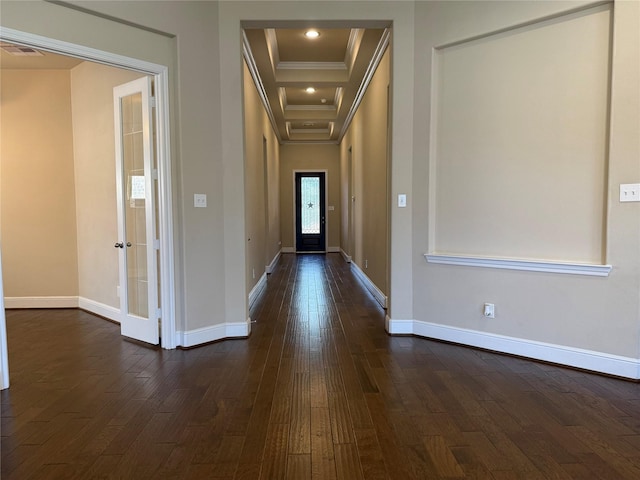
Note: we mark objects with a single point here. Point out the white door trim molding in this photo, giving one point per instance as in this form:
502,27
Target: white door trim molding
165,213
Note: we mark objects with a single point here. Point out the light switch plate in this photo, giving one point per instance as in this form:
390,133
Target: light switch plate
199,200
402,200
630,192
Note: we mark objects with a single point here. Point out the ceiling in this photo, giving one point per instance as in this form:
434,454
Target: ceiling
17,57
338,65
283,62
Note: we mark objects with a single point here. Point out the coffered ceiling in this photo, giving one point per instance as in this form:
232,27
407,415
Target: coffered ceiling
311,87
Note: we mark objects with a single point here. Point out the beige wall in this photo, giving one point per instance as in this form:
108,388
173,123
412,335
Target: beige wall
38,204
262,215
592,313
520,134
95,178
367,138
317,158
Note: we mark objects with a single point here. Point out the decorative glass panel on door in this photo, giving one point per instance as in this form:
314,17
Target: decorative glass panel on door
310,205
136,211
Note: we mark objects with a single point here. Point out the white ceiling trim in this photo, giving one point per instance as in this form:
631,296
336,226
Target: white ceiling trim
253,71
325,131
355,37
272,47
321,108
311,66
337,99
371,70
282,97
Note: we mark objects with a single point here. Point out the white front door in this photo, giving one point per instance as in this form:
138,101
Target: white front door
136,190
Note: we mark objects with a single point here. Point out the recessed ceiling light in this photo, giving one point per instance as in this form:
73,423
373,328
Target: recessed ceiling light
310,90
312,34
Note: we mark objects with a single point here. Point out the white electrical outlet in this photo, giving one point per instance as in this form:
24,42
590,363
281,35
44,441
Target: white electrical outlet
489,310
630,192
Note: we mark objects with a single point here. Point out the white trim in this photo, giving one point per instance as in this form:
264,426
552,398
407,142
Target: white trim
106,311
317,108
398,327
514,264
380,297
4,353
271,267
333,249
257,289
288,250
368,76
311,66
347,258
600,362
257,81
355,38
165,201
203,335
41,302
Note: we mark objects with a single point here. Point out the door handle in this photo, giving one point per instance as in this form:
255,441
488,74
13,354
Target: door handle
119,245
128,244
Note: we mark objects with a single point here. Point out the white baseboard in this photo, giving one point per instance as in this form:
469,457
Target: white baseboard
626,367
41,302
380,297
347,258
106,311
257,289
271,267
288,250
333,249
203,335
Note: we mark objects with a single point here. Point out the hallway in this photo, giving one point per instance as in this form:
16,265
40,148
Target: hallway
318,391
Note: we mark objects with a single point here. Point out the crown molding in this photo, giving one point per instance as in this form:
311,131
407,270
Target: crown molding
311,66
371,70
355,37
255,75
272,47
316,108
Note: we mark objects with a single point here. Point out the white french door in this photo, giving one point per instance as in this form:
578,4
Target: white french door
136,191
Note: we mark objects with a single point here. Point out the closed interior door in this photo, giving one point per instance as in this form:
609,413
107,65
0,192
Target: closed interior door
136,211
310,212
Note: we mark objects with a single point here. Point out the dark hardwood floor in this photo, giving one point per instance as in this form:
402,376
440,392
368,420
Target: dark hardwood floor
318,391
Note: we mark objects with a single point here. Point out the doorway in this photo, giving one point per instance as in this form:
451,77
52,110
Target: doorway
164,245
310,208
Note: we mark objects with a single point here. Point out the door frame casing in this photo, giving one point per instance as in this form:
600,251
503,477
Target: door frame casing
326,203
160,74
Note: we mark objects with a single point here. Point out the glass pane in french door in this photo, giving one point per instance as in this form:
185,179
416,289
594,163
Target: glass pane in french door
134,208
310,204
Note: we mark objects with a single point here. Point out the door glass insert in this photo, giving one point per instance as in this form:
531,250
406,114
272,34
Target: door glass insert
134,208
310,204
